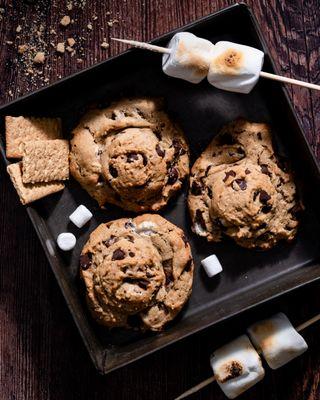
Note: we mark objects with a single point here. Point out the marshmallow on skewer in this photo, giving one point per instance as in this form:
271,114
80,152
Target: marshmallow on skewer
189,57
277,340
237,366
235,67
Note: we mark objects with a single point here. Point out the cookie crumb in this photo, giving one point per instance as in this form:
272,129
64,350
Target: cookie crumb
65,21
105,45
39,57
60,48
71,42
22,48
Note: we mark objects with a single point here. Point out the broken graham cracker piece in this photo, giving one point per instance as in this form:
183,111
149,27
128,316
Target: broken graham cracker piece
20,130
31,192
45,161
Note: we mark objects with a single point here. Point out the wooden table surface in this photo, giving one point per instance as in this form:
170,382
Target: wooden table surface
41,353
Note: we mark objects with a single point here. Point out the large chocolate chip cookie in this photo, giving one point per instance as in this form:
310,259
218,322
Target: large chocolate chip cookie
238,189
129,154
137,272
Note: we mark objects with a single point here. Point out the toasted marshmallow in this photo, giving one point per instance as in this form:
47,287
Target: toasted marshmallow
277,340
237,366
189,58
235,67
212,265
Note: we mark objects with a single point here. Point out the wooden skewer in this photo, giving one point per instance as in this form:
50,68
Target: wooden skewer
207,381
267,75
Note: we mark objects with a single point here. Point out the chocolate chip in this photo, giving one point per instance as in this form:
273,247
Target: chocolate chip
241,183
226,138
262,226
168,269
85,261
196,188
185,240
265,169
129,225
112,239
131,157
160,152
199,219
144,159
178,149
130,238
113,171
101,179
266,209
188,266
118,254
173,175
264,197
131,254
259,135
229,173
157,132
133,281
207,170
99,152
247,171
209,191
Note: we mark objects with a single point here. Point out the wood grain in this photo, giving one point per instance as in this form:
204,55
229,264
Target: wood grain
41,353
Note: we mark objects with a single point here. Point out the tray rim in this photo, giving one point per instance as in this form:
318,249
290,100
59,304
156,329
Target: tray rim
99,355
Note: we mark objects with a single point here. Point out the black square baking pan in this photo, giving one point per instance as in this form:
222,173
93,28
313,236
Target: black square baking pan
249,277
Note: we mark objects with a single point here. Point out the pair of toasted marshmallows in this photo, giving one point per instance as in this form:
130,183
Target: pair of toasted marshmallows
228,66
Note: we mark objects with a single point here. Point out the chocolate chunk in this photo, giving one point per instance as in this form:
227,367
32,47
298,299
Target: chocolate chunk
199,219
178,149
207,170
241,183
144,159
130,238
196,188
85,261
99,152
173,175
168,269
184,239
229,173
157,132
131,254
118,254
143,284
160,152
259,135
264,197
131,157
188,266
265,169
209,191
112,239
113,171
247,171
262,226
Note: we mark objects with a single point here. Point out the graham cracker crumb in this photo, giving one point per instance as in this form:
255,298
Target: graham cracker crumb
71,42
39,58
105,45
60,48
65,21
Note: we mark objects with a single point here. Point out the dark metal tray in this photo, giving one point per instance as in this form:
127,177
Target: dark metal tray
249,277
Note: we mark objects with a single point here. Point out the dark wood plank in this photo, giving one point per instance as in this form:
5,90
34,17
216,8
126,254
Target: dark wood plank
41,353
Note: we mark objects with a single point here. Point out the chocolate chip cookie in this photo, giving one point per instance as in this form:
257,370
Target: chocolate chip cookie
138,272
129,154
239,189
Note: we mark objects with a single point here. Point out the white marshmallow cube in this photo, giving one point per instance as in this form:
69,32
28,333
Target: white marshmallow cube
277,340
66,241
237,366
235,67
212,265
189,58
80,216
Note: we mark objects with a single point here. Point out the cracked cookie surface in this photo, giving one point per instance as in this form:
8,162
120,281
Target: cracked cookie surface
138,272
129,154
238,189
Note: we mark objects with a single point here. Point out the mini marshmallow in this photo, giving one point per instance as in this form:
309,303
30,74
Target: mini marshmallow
212,265
146,228
66,241
189,58
80,216
277,340
235,67
237,366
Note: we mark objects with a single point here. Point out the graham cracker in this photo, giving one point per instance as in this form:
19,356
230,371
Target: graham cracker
45,161
31,192
20,130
